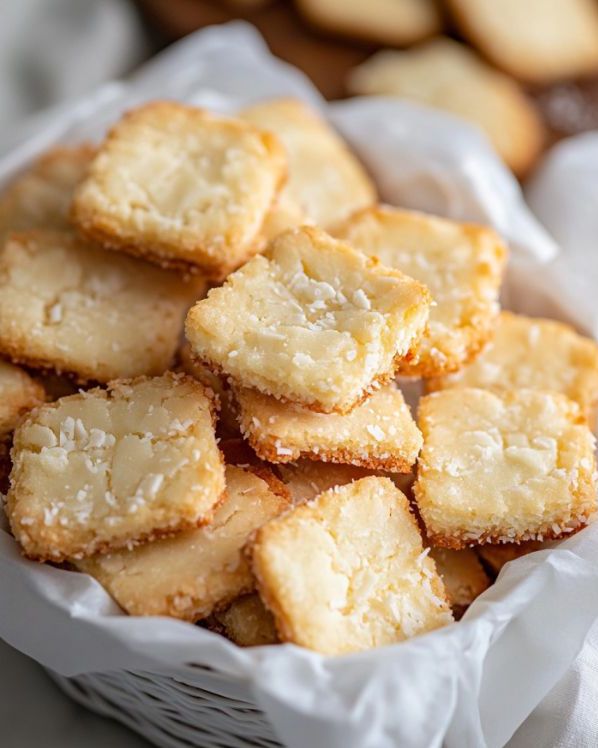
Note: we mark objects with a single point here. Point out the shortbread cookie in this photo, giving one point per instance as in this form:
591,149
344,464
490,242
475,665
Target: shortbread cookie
461,264
313,321
449,76
347,571
67,305
181,187
383,22
540,41
379,434
527,352
325,178
463,576
496,556
247,622
41,196
106,469
18,394
503,467
305,479
196,572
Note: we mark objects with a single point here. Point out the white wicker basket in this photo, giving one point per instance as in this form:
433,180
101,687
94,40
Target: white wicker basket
205,709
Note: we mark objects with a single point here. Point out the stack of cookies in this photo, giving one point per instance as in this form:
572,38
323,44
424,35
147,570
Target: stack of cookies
263,474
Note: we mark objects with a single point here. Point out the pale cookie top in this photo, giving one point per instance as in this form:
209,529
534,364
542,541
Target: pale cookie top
537,354
380,433
40,197
305,479
325,178
347,571
189,575
313,321
106,468
181,186
379,21
540,41
447,75
498,467
463,575
247,622
18,394
68,305
462,266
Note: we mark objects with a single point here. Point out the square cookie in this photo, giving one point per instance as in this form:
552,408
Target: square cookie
449,76
18,394
41,196
181,187
246,622
503,467
463,576
538,41
67,305
107,469
533,353
378,434
196,572
313,321
325,178
347,571
461,264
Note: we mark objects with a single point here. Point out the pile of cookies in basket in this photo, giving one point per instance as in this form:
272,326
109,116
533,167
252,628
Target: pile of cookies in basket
262,474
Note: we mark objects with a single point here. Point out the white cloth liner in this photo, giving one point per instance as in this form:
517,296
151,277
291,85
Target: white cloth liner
469,684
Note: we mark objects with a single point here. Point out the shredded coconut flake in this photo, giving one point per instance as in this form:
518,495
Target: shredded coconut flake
55,313
375,431
361,300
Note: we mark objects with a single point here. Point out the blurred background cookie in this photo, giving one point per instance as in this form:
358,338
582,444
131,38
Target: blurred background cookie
539,41
449,76
394,22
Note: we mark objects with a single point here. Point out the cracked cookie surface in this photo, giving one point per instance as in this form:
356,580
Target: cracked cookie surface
110,468
72,307
313,321
503,467
181,187
348,571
